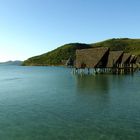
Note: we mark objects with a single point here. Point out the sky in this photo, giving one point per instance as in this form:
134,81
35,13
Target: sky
33,27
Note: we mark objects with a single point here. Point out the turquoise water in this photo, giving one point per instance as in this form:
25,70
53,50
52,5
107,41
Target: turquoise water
49,103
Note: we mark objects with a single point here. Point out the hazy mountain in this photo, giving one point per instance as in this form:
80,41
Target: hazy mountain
17,62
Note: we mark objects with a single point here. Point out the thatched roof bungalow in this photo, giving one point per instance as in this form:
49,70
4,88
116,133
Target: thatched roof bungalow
133,59
114,58
70,62
138,60
126,58
92,58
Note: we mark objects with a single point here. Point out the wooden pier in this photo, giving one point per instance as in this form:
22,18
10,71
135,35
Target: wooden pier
94,71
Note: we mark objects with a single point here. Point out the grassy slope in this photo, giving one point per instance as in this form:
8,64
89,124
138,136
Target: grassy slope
125,44
56,56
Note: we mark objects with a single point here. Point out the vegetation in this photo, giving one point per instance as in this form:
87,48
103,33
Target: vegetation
57,56
124,44
61,54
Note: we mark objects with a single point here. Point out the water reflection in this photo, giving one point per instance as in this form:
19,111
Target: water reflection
93,84
98,84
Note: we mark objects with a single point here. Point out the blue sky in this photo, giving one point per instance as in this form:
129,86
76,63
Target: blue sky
33,27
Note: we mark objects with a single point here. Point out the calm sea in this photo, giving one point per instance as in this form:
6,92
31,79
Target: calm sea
50,103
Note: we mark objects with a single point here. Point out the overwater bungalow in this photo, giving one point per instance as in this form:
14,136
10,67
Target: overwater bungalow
126,59
70,62
138,60
92,58
114,59
133,59
104,60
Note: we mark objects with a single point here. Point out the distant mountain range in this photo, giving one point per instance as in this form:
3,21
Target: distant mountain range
17,62
61,54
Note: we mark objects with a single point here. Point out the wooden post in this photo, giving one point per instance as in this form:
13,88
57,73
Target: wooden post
88,71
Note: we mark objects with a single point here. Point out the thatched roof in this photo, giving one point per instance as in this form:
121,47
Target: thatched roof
138,59
69,62
133,59
90,57
126,58
114,58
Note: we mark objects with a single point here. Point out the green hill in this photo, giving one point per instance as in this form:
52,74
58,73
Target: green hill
61,54
57,56
125,44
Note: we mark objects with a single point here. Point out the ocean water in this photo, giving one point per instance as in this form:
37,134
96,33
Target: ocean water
50,103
